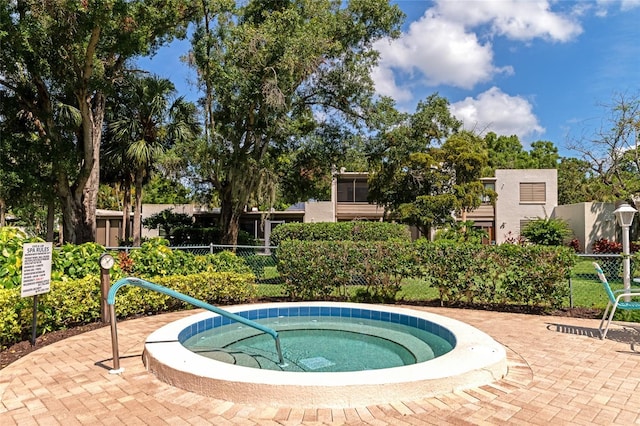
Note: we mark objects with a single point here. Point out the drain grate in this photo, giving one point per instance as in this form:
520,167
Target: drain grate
316,363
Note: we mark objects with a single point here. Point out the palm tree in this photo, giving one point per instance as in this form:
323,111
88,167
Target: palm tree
144,125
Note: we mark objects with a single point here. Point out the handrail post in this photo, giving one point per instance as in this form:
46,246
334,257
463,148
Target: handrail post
114,341
172,293
280,357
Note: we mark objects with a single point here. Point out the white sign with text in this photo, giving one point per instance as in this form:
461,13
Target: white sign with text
36,268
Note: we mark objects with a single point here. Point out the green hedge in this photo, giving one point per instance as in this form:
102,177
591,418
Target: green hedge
339,231
462,273
75,302
508,273
320,269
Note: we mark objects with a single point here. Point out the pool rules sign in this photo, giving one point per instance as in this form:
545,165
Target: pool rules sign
36,268
36,275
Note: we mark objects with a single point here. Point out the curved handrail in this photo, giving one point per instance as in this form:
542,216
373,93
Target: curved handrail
111,297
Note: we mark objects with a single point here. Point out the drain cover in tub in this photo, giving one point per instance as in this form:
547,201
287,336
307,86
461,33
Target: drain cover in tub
315,363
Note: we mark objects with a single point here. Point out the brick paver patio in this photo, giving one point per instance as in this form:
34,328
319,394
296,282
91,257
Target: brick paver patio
560,372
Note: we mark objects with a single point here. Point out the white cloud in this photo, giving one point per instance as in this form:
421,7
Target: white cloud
436,51
445,46
495,111
386,85
625,5
514,19
629,4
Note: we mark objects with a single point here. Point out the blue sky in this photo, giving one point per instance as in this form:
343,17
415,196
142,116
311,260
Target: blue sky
541,70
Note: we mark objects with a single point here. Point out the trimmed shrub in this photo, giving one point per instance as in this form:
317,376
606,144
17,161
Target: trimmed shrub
339,231
210,287
76,302
508,273
320,269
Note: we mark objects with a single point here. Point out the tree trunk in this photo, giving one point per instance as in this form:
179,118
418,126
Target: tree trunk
125,232
51,219
79,199
137,211
71,215
230,211
3,209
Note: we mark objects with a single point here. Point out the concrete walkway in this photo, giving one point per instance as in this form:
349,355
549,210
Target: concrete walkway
560,373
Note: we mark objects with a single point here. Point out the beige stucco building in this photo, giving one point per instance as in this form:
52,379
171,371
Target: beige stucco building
590,222
522,195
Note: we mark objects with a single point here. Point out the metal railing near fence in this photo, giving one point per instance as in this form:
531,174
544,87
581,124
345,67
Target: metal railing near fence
263,262
584,271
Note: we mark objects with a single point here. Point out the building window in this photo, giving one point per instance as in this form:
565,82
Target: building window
533,192
488,187
353,191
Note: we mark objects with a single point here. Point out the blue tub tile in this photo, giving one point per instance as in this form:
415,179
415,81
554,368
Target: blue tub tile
375,315
324,311
272,313
314,311
335,312
304,311
346,312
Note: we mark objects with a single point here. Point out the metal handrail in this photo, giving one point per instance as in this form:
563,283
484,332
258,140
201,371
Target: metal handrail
111,298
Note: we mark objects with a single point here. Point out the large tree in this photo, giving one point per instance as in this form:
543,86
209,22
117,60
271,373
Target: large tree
411,175
576,183
272,73
142,127
507,152
612,149
58,61
25,173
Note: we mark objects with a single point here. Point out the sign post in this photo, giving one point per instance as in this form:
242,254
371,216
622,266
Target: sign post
36,275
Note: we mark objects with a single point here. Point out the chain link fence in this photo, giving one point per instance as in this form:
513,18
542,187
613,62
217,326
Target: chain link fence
584,285
261,259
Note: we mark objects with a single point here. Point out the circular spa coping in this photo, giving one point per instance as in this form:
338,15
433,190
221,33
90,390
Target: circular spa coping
475,360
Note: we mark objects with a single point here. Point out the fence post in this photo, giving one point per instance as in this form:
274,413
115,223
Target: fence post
570,293
210,248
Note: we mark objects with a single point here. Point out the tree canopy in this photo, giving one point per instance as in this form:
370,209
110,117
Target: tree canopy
612,150
273,73
58,63
423,168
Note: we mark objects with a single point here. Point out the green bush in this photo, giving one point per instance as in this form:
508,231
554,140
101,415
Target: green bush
339,231
319,269
547,232
11,307
183,235
210,287
155,258
75,302
11,242
76,261
508,273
